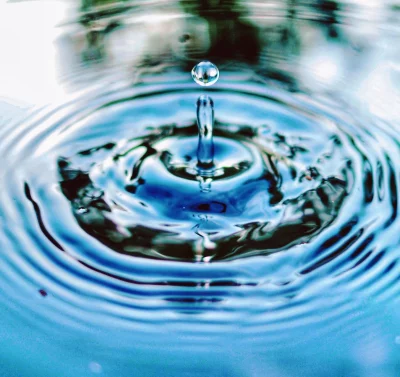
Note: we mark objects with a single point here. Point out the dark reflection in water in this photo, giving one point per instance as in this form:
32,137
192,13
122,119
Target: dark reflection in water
279,40
228,29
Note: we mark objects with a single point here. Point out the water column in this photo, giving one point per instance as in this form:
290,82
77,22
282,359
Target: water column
205,123
205,74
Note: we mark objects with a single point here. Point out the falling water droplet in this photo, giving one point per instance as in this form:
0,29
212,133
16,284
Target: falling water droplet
205,73
205,122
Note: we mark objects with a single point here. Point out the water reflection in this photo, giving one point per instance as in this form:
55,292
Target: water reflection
316,45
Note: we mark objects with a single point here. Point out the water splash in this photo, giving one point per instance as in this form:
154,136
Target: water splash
205,73
262,194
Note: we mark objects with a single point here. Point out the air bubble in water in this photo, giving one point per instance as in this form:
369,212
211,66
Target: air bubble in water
205,73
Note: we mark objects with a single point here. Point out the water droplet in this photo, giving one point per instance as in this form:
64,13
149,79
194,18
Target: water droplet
205,73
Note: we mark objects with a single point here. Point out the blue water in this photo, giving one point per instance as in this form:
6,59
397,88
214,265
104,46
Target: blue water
291,254
270,249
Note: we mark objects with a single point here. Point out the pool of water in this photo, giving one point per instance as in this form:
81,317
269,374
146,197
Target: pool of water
128,251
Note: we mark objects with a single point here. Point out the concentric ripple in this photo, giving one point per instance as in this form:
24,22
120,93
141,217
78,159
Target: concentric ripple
102,201
268,191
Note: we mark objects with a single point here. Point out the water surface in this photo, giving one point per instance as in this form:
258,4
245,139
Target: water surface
123,255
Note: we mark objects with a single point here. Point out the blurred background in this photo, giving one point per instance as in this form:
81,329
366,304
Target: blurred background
50,48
